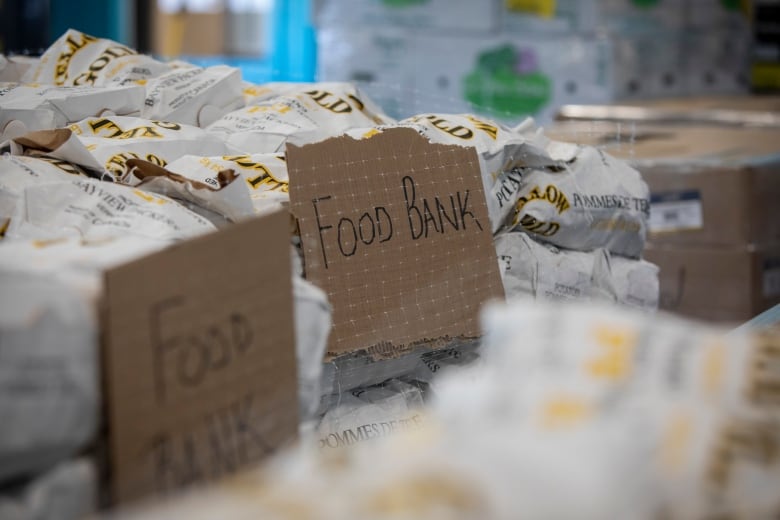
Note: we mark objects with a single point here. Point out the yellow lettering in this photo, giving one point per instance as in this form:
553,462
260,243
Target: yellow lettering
550,194
489,129
330,102
564,411
614,362
63,60
116,164
461,132
100,125
150,198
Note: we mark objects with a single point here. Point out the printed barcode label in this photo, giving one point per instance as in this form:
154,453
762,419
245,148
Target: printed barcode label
675,211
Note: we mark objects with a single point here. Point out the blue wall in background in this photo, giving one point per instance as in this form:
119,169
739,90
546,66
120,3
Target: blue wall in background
292,54
102,18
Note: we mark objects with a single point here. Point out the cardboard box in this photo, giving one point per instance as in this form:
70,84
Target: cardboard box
199,359
717,284
648,64
633,17
509,79
710,186
375,59
545,17
435,15
717,61
717,14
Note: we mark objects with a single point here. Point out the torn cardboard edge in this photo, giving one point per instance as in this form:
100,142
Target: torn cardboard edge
358,370
369,183
385,350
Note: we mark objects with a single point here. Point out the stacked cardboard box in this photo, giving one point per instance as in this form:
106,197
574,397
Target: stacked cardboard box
715,220
509,59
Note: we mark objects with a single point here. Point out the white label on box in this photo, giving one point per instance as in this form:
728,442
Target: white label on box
772,277
675,211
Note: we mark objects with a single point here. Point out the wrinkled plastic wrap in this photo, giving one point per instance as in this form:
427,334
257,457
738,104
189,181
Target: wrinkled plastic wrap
542,271
370,413
312,326
545,272
548,411
594,201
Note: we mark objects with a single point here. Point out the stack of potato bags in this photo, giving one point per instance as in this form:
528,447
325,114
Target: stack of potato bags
107,155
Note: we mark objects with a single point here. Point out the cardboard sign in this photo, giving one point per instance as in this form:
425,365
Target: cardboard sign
199,358
396,231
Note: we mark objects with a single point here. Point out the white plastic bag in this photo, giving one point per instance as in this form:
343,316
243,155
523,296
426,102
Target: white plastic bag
25,108
309,112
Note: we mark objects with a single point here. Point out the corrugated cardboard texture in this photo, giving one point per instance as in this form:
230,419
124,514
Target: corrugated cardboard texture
717,284
736,173
395,229
199,358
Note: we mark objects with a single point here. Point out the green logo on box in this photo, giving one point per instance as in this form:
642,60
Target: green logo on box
506,83
403,3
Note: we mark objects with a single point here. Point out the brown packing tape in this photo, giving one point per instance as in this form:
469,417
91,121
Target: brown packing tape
199,359
396,231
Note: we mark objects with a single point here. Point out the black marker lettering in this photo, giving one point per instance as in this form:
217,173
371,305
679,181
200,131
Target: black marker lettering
463,211
366,216
320,227
408,183
160,346
379,224
354,237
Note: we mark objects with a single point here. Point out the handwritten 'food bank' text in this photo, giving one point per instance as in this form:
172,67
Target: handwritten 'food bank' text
420,217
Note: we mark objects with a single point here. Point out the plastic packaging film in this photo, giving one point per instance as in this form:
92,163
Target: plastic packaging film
130,155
